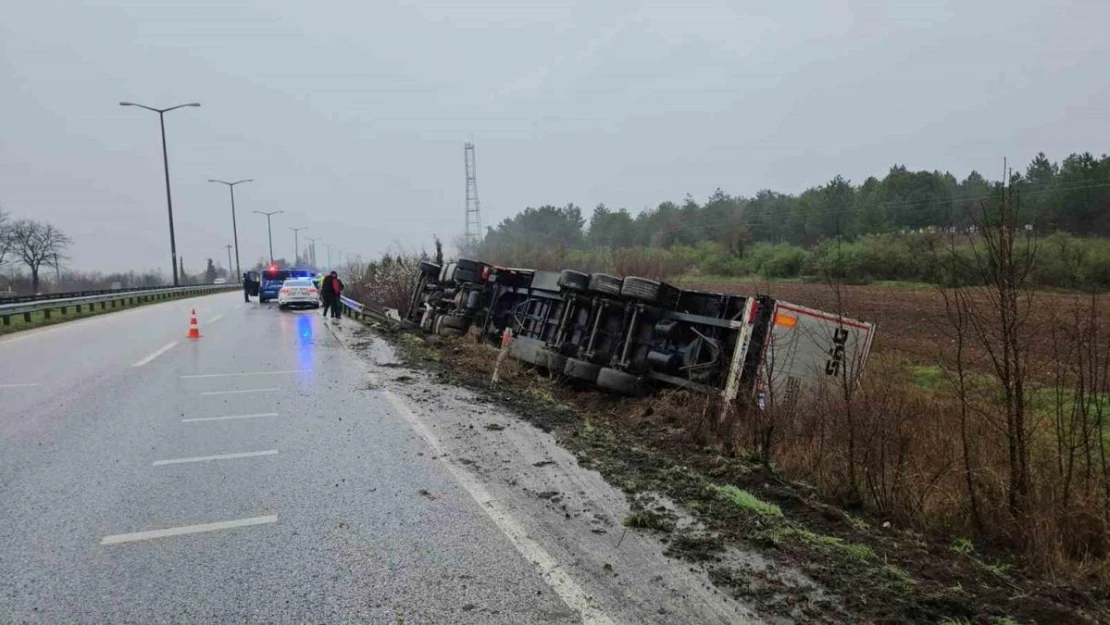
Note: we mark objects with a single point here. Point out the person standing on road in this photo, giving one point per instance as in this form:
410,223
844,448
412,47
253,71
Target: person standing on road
326,293
336,289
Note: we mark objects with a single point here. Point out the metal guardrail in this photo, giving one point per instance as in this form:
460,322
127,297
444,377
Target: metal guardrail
71,294
362,311
110,299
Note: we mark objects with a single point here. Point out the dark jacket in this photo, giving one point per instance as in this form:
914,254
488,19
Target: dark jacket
326,289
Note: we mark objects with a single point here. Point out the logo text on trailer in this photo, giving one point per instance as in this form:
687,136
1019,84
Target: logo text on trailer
836,353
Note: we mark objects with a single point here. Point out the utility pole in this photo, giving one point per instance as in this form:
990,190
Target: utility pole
166,166
234,227
269,230
228,246
297,244
57,272
473,230
328,245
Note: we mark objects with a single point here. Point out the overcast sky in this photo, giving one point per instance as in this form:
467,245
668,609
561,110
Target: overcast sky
351,116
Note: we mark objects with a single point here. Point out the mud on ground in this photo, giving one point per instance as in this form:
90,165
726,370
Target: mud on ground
703,504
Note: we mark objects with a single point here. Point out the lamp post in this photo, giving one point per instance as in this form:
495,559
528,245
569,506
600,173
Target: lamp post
297,244
228,246
234,227
166,166
312,250
269,231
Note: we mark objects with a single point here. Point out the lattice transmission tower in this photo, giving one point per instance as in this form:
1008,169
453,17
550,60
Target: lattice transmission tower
473,230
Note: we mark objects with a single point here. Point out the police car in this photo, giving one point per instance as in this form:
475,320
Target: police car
273,279
298,293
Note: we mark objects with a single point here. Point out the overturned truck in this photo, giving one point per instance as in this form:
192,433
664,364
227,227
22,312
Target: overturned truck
626,334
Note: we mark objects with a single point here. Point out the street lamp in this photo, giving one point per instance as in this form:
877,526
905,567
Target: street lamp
297,244
166,165
312,250
269,232
234,228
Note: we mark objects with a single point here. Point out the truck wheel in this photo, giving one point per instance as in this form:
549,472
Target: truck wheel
430,270
552,361
454,322
573,281
466,275
470,265
605,284
650,291
641,289
618,381
581,370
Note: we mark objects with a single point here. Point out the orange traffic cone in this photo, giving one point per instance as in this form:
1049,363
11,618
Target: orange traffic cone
194,329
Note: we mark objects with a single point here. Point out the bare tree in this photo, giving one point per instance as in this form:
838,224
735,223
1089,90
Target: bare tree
38,243
5,236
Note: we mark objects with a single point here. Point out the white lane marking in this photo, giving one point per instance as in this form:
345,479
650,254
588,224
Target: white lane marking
161,350
26,385
232,375
230,417
248,390
548,567
245,454
215,319
187,529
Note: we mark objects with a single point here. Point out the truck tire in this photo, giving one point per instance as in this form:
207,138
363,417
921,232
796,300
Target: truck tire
471,265
581,370
641,289
552,361
429,269
605,284
457,273
618,381
573,281
453,321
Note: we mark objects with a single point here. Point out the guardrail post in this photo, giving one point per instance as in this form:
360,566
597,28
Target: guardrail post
7,320
46,313
63,310
26,317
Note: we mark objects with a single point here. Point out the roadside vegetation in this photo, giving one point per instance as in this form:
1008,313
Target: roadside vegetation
880,230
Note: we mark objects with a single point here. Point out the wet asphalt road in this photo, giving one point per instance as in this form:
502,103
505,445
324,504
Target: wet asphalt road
331,509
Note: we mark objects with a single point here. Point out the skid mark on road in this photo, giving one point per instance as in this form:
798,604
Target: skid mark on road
214,319
186,529
549,569
197,376
161,350
245,454
24,385
231,417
